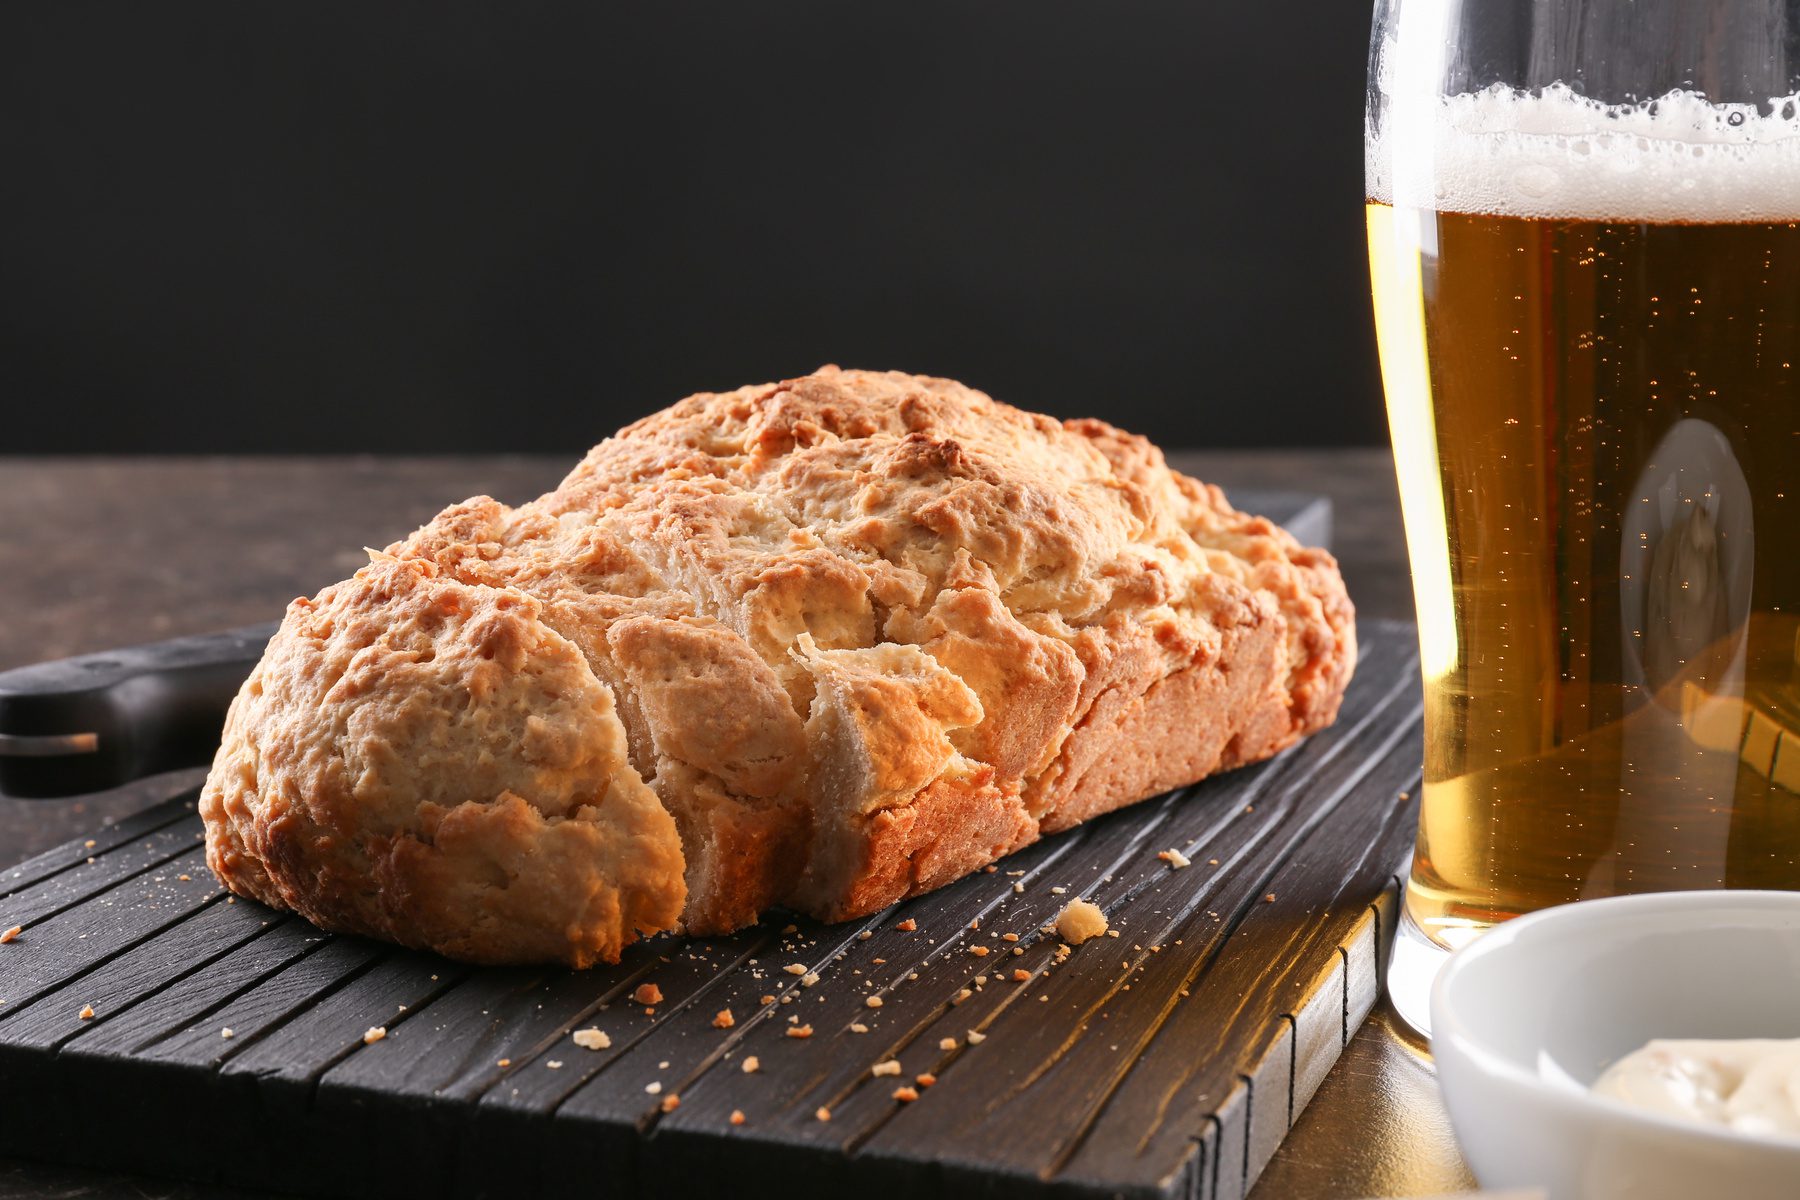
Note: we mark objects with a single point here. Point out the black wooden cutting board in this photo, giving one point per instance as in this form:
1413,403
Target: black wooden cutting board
1168,1060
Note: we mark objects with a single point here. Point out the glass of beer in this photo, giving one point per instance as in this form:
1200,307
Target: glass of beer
1584,241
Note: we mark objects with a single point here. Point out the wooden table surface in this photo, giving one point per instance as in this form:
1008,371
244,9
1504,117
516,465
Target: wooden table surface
98,553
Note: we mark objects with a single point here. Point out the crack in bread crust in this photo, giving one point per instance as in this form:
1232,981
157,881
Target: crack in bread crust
824,643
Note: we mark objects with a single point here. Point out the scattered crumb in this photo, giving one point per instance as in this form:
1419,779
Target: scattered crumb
647,993
1176,859
1080,921
371,1035
864,936
907,926
185,878
1018,889
822,1113
925,1080
1009,937
11,935
978,951
890,1067
723,1019
554,1064
946,1043
225,1032
670,1103
858,1027
1057,891
1021,975
787,929
799,1031
750,1065
737,1116
795,968
808,979
654,1088
981,981
990,869
961,996
1212,862
1269,899
1113,933
906,1095
873,1001
505,1062
766,1000
86,1013
88,845
975,1039
591,1039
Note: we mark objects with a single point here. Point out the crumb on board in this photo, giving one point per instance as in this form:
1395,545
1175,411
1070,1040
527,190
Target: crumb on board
873,1002
1020,975
554,1064
11,935
964,994
1175,858
795,968
1269,899
503,1063
371,1035
765,1000
946,1043
975,1039
1079,921
737,1116
822,1113
225,1032
591,1039
979,951
647,993
750,1065
654,1087
808,979
670,1103
858,1027
723,1019
906,1095
86,1013
1018,889
799,1031
890,1067
907,926
925,1080
1009,937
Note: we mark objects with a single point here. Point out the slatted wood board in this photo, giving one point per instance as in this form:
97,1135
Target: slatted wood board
1166,1061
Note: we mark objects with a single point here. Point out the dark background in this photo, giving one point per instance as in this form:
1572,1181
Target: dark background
395,226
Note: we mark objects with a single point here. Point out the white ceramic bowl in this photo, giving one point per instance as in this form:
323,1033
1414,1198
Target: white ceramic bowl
1527,1016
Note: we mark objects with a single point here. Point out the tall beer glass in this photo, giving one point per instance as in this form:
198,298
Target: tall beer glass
1584,240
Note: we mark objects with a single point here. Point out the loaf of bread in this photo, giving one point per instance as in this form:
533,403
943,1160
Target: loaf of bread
821,645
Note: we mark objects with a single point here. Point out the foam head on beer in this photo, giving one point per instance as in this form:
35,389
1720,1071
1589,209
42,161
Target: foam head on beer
1555,154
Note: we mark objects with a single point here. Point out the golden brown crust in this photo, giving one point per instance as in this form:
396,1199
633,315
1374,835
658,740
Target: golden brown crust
850,636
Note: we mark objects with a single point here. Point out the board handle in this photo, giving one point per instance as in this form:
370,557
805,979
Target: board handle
99,721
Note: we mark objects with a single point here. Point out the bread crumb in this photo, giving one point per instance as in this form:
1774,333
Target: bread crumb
808,979
671,1102
1018,889
799,1031
946,1043
822,1113
1080,921
1269,899
925,1080
890,1067
750,1065
1021,976
654,1087
11,935
864,936
554,1064
737,1116
1212,862
647,993
185,878
723,1019
1057,891
906,1095
1176,859
1113,933
1009,937
858,1027
505,1062
975,1039
961,996
907,926
371,1035
975,924
86,1013
873,1002
591,1039
981,981
795,968
766,1000
225,1032
979,951
89,844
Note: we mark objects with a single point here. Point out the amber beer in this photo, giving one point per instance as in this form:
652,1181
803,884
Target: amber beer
1594,397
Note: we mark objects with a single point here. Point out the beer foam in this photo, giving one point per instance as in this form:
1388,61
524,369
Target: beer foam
1552,153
